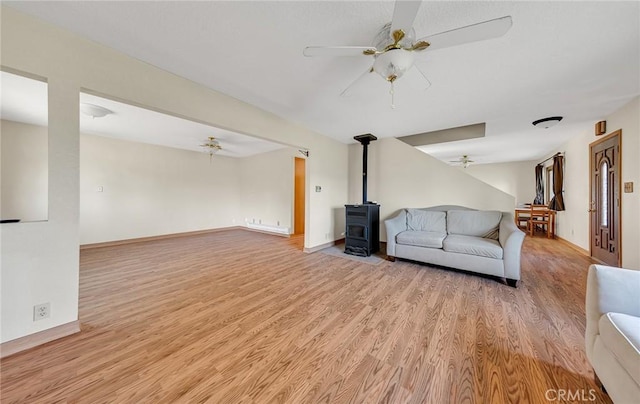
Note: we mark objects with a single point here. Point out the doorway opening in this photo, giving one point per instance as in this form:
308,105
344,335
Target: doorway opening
299,196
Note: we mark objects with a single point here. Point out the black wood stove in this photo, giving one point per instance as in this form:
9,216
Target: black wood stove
362,235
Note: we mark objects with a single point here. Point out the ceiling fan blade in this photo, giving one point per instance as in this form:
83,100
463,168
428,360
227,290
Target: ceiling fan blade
470,33
404,13
359,82
339,50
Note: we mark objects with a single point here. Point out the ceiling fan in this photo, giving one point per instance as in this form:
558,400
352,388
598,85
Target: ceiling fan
464,161
394,47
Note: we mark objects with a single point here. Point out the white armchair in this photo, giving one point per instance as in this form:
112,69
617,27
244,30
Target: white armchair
612,336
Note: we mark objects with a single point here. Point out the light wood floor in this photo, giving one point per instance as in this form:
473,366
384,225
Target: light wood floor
239,317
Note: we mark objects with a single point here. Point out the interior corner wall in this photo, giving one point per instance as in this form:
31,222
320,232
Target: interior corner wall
573,223
40,261
516,178
24,172
400,176
266,188
130,190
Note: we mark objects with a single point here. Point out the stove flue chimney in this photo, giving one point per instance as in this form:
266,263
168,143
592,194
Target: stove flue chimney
365,140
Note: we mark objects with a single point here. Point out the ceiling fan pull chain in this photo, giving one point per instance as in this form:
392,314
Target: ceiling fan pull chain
393,104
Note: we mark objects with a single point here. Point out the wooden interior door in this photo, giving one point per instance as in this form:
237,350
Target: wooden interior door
299,191
604,207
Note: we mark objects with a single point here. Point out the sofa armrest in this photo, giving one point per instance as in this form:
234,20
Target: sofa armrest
395,225
510,238
609,289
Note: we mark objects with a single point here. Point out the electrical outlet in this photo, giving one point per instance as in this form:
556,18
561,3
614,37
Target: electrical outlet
41,311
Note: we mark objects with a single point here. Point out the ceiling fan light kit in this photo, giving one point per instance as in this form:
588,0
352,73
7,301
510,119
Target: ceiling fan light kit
546,123
211,147
394,46
393,64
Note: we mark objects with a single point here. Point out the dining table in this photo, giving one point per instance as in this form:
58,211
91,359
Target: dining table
525,211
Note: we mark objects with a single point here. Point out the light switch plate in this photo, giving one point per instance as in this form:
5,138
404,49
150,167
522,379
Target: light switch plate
628,187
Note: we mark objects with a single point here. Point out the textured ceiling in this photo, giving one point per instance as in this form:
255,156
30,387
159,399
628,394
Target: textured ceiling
25,100
580,60
137,124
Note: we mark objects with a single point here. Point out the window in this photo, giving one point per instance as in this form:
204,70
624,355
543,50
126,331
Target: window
604,192
548,189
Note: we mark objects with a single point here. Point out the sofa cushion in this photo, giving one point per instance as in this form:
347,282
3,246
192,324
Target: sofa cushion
620,333
432,239
479,223
471,245
424,220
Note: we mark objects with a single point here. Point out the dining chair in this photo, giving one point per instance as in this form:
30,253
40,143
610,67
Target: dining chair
539,218
522,218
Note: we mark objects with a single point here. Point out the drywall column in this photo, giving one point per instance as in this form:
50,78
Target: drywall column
40,261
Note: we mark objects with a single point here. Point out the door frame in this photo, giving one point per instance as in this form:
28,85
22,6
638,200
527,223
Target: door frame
618,223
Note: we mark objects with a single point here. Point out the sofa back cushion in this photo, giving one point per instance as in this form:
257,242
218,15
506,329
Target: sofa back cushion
478,223
423,220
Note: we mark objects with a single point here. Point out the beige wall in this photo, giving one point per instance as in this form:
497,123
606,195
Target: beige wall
401,176
24,169
150,190
40,260
517,178
573,223
266,188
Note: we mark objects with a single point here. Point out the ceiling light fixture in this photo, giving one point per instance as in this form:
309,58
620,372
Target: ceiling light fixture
392,65
211,146
546,123
94,111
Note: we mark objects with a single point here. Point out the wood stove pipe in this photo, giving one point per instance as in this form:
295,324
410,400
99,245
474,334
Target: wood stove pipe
365,140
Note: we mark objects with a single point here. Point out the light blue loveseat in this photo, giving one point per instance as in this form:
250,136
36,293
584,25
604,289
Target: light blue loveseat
486,242
612,336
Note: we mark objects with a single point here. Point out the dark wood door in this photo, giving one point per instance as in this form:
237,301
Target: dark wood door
605,199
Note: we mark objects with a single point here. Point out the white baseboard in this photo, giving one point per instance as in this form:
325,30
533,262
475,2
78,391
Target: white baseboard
39,338
269,228
323,246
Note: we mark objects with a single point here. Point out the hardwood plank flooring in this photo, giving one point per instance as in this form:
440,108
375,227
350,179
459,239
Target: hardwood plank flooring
245,317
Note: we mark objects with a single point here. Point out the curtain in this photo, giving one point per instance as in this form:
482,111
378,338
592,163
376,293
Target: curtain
539,186
557,203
